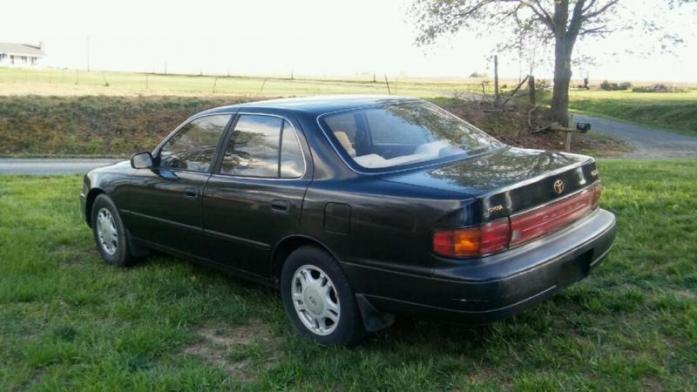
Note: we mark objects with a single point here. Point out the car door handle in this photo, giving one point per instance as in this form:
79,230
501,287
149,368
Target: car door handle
280,206
192,193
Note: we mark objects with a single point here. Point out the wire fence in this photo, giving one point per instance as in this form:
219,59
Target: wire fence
80,82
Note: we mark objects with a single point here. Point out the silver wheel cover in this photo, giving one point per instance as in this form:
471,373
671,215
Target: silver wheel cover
315,300
107,233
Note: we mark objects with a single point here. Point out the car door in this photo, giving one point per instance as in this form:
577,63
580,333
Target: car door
165,201
255,196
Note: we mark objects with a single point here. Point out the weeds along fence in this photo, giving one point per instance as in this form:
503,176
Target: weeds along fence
79,82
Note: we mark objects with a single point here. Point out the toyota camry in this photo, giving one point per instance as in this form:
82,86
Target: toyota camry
357,209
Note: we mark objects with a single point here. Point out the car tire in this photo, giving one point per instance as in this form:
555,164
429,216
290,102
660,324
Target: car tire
110,234
319,300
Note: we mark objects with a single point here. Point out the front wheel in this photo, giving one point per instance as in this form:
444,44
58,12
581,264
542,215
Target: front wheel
110,233
318,298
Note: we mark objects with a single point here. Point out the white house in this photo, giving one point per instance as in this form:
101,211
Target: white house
20,54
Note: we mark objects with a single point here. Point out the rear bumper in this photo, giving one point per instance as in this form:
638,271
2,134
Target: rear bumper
493,287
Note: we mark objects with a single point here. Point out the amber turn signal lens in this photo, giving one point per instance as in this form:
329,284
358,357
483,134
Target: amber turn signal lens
472,241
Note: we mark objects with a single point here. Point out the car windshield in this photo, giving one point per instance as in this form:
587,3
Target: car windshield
401,134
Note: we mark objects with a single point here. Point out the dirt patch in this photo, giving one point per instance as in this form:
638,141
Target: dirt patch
652,384
241,351
72,256
683,294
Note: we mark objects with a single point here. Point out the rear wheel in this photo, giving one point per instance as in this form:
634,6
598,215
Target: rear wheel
318,298
110,233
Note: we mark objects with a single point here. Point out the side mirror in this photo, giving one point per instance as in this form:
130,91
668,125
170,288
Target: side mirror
141,160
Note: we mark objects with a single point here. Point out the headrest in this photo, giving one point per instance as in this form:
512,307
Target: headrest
343,138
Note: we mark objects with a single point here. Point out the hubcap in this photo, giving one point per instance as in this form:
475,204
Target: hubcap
315,300
107,233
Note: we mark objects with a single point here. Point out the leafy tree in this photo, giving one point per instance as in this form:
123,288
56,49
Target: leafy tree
557,22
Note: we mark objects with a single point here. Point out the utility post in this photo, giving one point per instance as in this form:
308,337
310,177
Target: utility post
497,96
88,53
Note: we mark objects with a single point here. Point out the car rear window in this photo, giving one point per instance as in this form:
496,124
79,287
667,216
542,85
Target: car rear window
402,134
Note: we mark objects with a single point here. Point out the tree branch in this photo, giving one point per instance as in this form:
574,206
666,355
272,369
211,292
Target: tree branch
590,15
576,19
541,13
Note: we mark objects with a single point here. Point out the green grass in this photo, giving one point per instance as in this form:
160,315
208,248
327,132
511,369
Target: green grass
93,125
112,125
70,322
15,81
675,111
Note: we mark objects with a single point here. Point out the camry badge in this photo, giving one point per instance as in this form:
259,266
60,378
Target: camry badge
559,186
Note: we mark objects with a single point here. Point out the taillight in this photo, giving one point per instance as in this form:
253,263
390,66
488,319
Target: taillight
504,233
489,238
597,191
532,224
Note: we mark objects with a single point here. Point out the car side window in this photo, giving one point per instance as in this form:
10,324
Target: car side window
193,147
263,146
292,161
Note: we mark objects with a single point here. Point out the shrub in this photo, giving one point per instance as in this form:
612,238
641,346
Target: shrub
611,86
657,88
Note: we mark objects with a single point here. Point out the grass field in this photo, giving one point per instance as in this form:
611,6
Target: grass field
119,126
93,125
70,322
15,81
676,111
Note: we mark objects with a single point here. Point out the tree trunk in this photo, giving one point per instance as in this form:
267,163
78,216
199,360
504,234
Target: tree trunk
562,80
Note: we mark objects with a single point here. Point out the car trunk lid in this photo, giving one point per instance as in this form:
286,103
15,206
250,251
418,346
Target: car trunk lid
537,192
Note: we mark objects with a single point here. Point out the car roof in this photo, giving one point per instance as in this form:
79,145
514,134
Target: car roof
315,104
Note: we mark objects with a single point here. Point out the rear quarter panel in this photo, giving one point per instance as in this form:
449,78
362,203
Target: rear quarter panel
389,225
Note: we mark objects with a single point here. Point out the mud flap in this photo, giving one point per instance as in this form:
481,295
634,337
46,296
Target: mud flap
373,319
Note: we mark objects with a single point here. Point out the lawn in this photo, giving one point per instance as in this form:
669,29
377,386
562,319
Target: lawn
70,322
675,111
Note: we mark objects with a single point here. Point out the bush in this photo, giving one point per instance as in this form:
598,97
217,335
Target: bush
611,86
657,88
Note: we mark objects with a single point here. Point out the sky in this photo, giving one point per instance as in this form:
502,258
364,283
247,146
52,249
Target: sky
304,37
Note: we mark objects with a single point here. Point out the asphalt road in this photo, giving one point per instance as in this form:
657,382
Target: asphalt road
42,166
648,143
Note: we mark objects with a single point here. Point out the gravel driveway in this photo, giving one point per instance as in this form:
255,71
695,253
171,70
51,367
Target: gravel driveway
648,143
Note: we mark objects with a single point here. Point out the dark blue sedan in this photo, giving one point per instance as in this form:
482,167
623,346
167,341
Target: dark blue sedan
357,209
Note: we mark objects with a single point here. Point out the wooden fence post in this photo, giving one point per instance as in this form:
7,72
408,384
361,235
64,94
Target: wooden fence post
496,80
531,90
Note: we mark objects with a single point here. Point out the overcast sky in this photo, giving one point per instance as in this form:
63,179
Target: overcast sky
312,37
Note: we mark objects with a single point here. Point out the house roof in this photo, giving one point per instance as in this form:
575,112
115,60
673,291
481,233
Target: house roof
21,49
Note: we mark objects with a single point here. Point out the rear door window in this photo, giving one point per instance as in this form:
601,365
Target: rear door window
263,146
